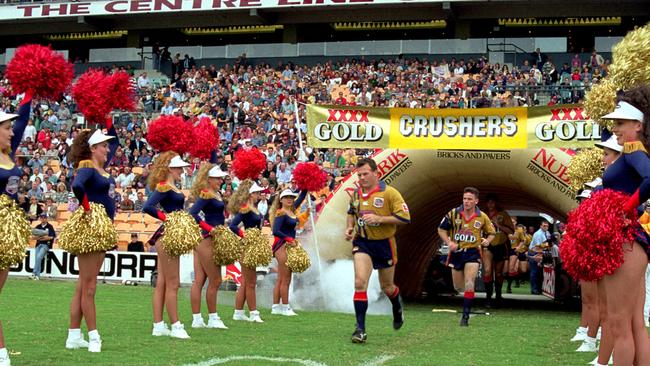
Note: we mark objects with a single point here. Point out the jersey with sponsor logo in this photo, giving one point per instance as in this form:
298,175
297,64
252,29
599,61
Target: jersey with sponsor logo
382,201
467,231
502,218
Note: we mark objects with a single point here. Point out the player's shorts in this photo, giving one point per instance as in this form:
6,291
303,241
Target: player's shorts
499,252
522,257
512,251
462,256
383,252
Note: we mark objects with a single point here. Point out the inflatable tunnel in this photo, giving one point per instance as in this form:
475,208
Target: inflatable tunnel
431,182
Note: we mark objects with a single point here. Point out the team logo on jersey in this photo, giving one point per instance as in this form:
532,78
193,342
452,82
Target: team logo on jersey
458,221
378,202
405,207
477,224
12,185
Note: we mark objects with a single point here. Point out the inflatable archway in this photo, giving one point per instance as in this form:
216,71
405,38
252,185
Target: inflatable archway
431,182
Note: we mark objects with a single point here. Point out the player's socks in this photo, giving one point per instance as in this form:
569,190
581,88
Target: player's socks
489,287
468,298
396,300
498,286
360,308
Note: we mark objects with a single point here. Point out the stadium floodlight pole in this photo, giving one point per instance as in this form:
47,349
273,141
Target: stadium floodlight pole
303,157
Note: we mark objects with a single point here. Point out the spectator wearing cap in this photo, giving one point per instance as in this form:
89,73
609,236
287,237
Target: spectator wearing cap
44,242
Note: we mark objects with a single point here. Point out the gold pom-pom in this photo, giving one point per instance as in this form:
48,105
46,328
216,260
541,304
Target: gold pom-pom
297,258
88,232
601,100
584,167
182,234
631,59
14,233
257,249
226,246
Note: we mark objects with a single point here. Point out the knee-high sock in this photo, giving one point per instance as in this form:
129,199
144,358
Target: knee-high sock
498,285
489,286
395,300
467,302
360,308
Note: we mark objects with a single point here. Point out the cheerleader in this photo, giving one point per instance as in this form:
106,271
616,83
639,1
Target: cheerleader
243,205
625,288
166,171
90,154
283,220
209,201
10,174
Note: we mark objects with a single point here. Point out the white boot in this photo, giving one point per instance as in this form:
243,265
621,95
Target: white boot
239,315
581,334
178,331
4,357
197,321
75,340
215,322
254,316
276,309
160,330
588,345
286,310
94,342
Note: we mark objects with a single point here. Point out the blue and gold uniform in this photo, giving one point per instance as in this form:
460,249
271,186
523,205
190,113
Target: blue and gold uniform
169,199
284,226
10,174
467,233
378,241
247,215
630,173
92,186
212,208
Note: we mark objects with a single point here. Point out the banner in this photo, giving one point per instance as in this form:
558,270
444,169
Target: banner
126,7
338,126
117,266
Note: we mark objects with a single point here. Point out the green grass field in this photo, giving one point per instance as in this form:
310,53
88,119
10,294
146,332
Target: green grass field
35,319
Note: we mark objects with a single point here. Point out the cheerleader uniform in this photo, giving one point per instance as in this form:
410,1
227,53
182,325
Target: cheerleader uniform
248,217
90,185
212,209
170,201
630,173
10,174
284,226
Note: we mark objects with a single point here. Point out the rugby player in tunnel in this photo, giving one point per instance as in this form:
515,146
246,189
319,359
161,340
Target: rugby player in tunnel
462,230
494,258
375,211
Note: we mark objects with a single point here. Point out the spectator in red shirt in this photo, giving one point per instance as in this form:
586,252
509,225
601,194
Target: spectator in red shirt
341,99
44,138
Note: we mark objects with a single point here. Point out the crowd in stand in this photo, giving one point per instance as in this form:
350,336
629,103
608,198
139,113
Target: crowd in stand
253,105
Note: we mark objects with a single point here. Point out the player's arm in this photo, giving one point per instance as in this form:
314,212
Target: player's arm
490,231
443,232
349,227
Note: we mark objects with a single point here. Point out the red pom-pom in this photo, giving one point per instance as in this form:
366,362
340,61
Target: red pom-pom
248,163
170,133
309,177
97,94
595,233
39,70
89,94
205,139
119,91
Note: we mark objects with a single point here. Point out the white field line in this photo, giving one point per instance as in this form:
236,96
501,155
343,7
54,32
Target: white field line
223,360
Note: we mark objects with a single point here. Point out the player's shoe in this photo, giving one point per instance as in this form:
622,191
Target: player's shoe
464,321
359,336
